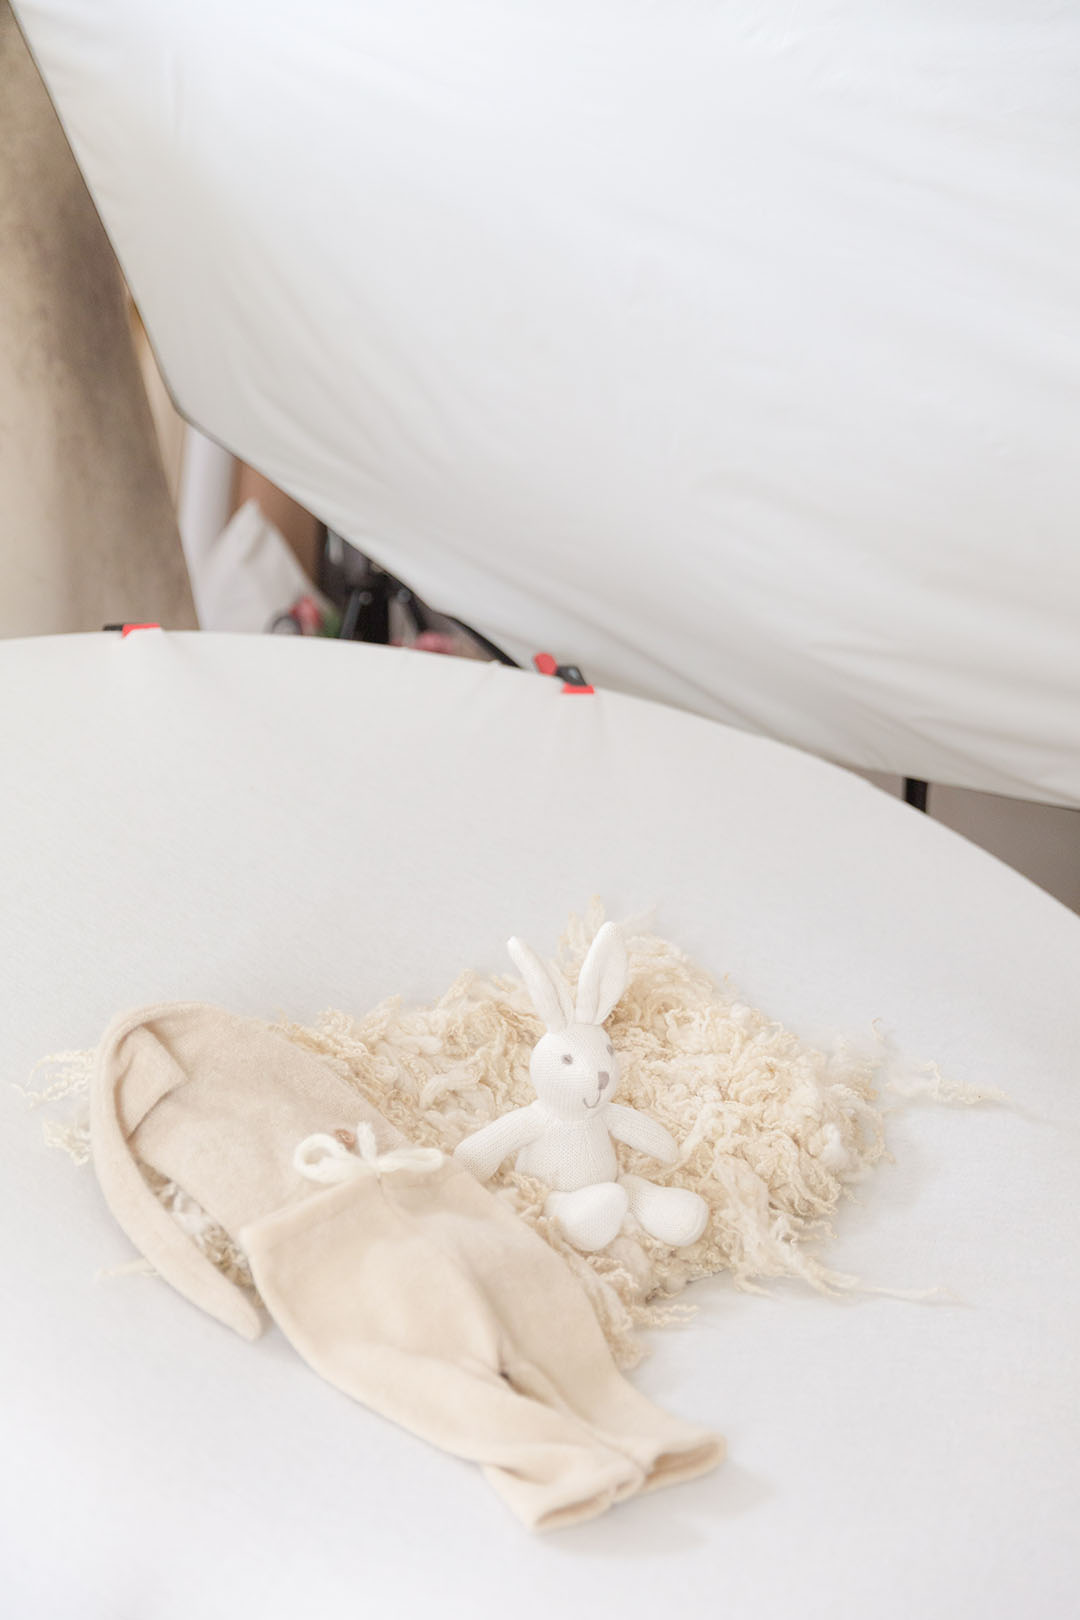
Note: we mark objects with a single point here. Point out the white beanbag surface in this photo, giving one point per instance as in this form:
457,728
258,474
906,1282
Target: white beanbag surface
280,825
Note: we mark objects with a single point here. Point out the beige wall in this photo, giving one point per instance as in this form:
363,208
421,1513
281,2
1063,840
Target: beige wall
1040,840
87,529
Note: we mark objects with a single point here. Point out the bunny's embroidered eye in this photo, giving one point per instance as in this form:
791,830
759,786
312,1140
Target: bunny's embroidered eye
568,1057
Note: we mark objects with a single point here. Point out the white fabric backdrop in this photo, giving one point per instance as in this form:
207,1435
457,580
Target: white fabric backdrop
732,351
279,825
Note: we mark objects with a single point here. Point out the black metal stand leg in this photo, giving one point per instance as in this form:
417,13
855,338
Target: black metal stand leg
916,793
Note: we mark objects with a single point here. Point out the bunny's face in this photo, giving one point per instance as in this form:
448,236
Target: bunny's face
574,1070
573,1067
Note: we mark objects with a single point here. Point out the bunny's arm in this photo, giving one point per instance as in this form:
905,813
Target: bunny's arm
485,1149
641,1131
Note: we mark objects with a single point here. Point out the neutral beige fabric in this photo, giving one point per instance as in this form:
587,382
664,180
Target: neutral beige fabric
87,532
419,1293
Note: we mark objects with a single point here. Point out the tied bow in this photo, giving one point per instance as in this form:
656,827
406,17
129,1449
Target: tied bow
323,1158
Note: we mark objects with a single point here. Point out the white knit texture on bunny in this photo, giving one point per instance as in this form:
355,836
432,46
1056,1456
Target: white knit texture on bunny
564,1138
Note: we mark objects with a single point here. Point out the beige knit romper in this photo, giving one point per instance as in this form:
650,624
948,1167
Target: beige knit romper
414,1290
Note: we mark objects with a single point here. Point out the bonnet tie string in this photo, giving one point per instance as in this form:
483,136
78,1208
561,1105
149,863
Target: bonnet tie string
323,1158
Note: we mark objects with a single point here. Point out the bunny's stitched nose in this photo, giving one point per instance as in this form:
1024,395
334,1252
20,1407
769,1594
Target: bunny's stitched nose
603,1078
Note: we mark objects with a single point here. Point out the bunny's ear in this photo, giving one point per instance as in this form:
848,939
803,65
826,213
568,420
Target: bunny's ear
603,977
546,985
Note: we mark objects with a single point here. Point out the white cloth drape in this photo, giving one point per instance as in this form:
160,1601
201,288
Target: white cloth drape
731,351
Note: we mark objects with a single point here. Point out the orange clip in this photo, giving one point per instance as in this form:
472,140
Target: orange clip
572,678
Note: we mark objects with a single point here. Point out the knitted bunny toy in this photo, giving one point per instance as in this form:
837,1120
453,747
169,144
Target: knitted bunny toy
564,1138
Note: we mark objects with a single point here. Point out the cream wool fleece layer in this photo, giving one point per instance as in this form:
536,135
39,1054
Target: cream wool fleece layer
417,1292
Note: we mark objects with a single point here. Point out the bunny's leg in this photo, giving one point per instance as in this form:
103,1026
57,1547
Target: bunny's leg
591,1216
673,1215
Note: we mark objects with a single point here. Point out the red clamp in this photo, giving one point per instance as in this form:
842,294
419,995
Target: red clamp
572,678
